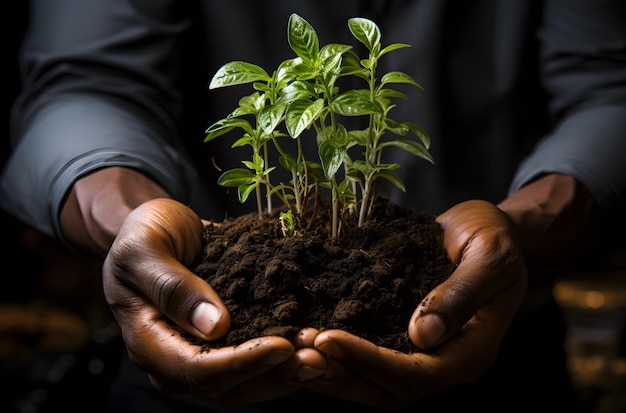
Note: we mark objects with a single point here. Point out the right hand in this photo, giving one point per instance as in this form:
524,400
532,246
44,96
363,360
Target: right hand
459,324
146,282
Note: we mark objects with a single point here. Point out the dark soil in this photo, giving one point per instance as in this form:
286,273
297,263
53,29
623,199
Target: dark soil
367,282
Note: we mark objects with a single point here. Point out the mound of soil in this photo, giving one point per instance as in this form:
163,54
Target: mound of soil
367,282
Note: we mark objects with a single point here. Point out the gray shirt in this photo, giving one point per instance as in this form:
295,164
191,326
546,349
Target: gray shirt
514,90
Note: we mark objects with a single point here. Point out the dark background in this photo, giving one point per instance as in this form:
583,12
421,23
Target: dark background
58,341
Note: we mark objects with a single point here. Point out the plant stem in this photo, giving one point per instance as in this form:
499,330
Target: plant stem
266,177
335,211
259,201
364,202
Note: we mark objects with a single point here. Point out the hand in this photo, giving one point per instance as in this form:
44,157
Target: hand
146,282
462,320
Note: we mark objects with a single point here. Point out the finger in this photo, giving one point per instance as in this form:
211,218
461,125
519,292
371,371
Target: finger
219,374
480,239
305,337
306,364
200,310
358,370
452,304
148,257
206,222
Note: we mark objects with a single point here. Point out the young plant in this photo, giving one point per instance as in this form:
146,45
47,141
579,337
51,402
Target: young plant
303,94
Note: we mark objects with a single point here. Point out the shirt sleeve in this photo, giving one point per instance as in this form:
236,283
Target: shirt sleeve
98,90
584,70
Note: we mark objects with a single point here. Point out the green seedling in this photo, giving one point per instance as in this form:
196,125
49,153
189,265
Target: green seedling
301,99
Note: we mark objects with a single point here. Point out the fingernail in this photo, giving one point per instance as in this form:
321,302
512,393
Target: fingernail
332,349
431,328
308,372
278,356
204,317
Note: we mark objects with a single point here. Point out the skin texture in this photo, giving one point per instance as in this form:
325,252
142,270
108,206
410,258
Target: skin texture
466,316
146,281
167,235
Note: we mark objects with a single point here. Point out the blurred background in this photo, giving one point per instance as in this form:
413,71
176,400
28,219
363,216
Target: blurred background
56,334
59,343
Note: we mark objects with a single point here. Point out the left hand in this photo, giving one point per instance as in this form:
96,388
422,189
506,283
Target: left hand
463,319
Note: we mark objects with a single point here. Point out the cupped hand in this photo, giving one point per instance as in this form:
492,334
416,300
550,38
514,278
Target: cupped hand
147,284
458,326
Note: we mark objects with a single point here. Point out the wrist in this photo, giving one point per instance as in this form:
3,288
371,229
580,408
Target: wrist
555,217
99,202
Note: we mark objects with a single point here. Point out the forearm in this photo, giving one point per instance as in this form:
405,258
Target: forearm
575,175
99,202
556,219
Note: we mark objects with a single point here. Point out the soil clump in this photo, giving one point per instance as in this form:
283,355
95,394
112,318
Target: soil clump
368,281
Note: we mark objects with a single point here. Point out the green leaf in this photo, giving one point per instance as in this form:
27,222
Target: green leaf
331,64
297,89
380,167
360,166
332,157
413,147
390,93
351,65
314,170
395,127
368,63
214,132
261,87
287,224
237,73
419,131
354,103
278,188
244,191
355,71
394,179
243,141
242,111
224,126
256,164
252,103
360,137
340,138
398,77
300,114
392,47
303,39
284,72
236,177
270,116
287,161
333,49
330,57
304,72
365,31
346,193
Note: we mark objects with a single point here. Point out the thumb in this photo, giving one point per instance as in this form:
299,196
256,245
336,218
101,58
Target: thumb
480,239
145,275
